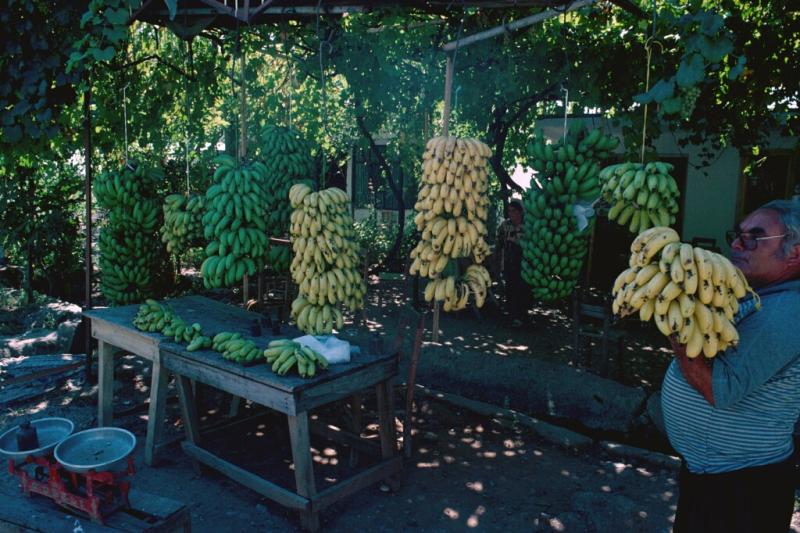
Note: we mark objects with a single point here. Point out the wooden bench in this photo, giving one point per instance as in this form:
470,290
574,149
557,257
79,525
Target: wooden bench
148,513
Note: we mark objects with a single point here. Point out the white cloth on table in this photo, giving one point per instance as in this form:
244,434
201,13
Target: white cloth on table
331,348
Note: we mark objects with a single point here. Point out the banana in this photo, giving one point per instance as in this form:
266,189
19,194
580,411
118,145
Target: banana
710,344
694,345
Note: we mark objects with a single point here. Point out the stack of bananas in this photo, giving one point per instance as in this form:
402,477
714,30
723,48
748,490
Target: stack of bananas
156,318
182,227
283,354
553,247
690,292
641,195
234,223
326,259
132,261
286,155
234,348
452,207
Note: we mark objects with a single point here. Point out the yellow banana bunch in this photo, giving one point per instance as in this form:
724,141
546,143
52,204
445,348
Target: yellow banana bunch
689,292
326,259
642,196
452,207
284,354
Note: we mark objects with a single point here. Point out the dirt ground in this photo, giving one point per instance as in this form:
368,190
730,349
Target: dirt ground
468,472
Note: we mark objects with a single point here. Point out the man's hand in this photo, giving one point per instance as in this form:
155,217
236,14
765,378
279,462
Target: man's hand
697,371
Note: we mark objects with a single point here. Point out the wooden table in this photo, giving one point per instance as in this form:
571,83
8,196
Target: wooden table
290,395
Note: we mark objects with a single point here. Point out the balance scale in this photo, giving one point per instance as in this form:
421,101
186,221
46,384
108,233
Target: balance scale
88,472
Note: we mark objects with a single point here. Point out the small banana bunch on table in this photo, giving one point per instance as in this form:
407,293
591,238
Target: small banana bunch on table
689,292
284,354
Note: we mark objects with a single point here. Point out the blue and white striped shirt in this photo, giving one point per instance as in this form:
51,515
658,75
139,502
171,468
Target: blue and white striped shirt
756,391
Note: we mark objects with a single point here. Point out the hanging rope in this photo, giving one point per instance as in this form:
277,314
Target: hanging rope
648,46
187,110
323,90
125,119
565,83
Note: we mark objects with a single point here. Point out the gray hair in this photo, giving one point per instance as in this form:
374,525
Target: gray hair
789,214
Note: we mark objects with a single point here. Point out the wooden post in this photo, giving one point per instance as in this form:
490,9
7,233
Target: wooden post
243,140
87,260
448,92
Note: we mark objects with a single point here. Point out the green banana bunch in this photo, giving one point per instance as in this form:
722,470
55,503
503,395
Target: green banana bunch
452,208
567,172
157,318
287,158
183,228
234,348
132,260
642,196
283,354
234,223
326,259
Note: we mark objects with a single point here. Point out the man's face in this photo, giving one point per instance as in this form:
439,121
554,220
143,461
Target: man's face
767,263
515,215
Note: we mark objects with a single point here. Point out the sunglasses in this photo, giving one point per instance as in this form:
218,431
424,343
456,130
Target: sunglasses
748,240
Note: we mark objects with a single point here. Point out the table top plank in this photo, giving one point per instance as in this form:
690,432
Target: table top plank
215,317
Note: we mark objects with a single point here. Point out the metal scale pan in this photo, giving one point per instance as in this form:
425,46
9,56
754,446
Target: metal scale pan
50,432
100,449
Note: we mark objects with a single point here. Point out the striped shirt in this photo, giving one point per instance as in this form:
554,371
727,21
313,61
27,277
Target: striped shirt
756,391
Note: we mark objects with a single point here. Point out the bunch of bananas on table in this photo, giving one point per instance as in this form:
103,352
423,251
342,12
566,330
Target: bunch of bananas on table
287,159
689,292
234,223
283,354
326,259
183,227
452,207
553,245
132,260
234,348
641,195
154,317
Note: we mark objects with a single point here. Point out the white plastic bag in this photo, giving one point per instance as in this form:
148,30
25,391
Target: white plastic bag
333,349
583,211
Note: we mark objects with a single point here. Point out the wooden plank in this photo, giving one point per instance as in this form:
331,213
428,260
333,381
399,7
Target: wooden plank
355,411
303,466
150,513
386,421
155,414
188,409
361,480
270,490
345,385
105,384
231,383
125,337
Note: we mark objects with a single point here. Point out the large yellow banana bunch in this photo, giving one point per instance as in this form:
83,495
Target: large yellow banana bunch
234,223
641,195
326,259
688,291
452,207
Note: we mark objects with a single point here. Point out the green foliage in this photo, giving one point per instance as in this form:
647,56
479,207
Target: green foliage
105,30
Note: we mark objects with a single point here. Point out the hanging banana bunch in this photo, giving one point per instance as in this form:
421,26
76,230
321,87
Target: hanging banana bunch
183,227
234,223
326,259
553,244
132,260
687,291
287,158
641,195
452,207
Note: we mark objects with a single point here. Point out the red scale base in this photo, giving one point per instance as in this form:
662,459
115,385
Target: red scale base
93,494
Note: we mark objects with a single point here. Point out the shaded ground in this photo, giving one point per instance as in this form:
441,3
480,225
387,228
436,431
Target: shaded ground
468,471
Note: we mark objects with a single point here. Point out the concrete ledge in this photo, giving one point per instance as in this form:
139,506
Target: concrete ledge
654,458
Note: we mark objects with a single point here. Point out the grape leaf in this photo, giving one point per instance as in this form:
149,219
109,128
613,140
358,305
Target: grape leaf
691,71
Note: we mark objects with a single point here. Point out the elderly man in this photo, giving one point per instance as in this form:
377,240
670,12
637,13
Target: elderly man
731,417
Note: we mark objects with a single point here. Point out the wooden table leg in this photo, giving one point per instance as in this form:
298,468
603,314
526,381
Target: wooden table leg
386,421
105,383
189,413
303,466
355,411
155,415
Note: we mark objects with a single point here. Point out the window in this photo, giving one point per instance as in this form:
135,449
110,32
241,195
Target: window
370,185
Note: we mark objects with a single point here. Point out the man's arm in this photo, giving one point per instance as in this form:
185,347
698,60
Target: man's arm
697,371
